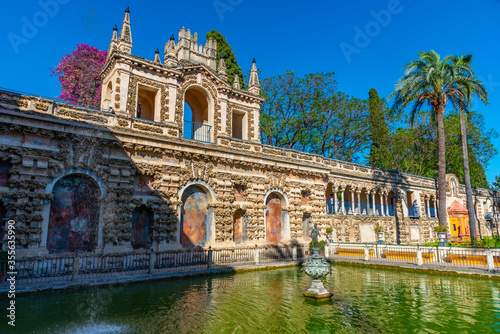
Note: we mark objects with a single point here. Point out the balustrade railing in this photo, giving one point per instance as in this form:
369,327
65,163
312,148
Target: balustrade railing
197,131
432,256
81,267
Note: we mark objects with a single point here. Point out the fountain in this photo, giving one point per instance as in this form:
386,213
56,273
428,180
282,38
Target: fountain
316,267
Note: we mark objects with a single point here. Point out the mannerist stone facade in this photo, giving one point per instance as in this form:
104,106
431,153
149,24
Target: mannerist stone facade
143,173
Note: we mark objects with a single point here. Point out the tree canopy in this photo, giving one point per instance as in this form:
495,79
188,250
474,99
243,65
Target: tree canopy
223,48
78,74
310,114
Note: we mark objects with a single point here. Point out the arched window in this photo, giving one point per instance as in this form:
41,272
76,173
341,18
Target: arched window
198,118
142,223
194,217
74,215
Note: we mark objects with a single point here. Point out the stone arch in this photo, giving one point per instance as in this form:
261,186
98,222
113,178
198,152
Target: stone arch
47,203
108,93
142,227
202,106
73,221
276,216
196,216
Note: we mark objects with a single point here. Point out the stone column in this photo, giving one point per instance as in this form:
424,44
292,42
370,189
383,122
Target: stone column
381,205
335,194
386,206
358,192
352,201
427,207
373,203
342,206
435,208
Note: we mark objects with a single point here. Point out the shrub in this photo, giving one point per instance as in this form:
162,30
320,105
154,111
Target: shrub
378,228
440,228
329,230
321,245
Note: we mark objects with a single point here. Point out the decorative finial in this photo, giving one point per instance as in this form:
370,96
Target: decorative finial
127,10
222,55
253,61
157,51
172,38
115,28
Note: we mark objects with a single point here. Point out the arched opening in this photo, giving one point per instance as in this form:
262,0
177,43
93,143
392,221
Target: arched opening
198,118
274,218
391,204
74,215
238,227
194,217
146,102
142,232
348,200
107,104
363,205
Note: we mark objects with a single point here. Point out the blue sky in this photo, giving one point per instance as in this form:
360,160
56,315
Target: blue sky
366,43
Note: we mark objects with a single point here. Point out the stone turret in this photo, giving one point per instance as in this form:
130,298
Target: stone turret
236,83
253,83
188,49
113,45
157,56
222,68
170,54
125,40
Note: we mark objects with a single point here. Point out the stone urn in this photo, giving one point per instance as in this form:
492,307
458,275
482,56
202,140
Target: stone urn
317,267
380,238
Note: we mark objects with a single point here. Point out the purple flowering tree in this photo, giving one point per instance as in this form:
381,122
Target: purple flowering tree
78,74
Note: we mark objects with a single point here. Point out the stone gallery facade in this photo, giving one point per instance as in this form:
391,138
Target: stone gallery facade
173,160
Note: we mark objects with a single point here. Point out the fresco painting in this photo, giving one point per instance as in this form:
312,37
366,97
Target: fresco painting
142,222
304,198
274,219
237,227
142,185
194,217
4,173
238,194
74,215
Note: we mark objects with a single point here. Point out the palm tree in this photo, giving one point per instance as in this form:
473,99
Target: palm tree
471,86
435,82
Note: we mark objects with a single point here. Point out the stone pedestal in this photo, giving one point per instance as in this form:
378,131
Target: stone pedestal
317,290
316,267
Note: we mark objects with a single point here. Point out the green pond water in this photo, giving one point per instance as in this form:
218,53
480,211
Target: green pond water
365,301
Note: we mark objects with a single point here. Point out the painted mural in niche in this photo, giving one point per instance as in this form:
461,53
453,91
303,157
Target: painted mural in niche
274,218
194,216
142,185
74,215
4,173
238,227
142,223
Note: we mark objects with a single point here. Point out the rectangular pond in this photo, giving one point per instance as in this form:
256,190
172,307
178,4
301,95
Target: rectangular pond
365,301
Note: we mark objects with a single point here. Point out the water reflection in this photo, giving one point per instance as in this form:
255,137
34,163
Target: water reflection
365,300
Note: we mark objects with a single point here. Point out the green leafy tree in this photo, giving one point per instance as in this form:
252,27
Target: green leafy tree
223,48
496,184
436,83
379,131
310,114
